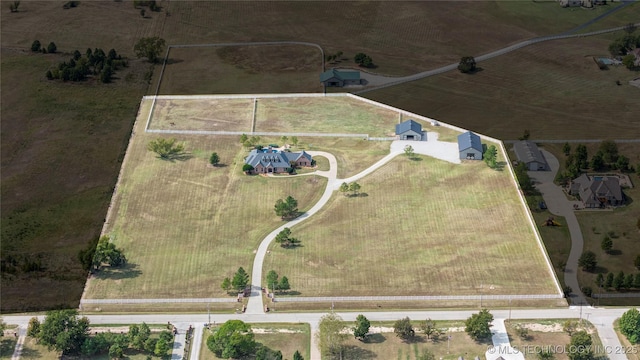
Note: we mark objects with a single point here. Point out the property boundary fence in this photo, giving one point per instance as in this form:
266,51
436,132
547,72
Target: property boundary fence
418,298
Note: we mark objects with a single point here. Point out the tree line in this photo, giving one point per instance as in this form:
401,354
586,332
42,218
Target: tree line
606,158
622,47
95,63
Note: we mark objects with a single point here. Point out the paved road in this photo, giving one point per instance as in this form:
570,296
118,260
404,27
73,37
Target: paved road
558,204
601,317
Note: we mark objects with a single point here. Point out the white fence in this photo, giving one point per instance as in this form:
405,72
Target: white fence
419,298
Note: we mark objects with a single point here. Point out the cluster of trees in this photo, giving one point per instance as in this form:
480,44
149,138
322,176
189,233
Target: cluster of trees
274,283
107,253
167,149
622,46
333,57
467,64
36,46
363,60
252,141
630,325
606,158
490,156
524,180
150,48
352,188
64,331
284,139
285,239
287,208
235,340
580,346
239,282
618,281
94,63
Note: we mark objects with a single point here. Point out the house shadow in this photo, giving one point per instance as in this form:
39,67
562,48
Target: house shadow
129,271
355,352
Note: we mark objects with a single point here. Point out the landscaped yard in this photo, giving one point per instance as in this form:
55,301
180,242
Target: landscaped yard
422,227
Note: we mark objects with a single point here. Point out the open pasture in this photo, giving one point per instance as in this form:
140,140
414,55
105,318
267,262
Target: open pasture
185,225
421,227
324,115
556,92
203,114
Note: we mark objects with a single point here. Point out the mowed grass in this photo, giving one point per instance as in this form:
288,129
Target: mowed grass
242,69
284,337
550,93
324,115
203,114
185,225
423,228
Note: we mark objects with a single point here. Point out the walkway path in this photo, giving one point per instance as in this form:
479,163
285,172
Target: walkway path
501,344
558,204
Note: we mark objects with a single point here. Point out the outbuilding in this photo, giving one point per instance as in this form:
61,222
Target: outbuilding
410,130
469,146
528,153
340,78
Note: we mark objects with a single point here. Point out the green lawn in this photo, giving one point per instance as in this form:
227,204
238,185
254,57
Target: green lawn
422,227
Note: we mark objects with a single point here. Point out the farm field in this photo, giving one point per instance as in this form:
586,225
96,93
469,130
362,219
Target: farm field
549,93
284,337
418,234
184,225
242,69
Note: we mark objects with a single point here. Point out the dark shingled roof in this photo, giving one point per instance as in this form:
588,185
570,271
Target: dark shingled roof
527,151
408,125
340,74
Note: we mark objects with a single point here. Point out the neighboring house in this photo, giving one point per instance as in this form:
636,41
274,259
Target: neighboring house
597,191
273,161
570,3
340,78
469,146
410,130
528,153
592,3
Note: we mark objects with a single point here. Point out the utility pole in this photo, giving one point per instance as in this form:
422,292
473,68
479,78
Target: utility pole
509,310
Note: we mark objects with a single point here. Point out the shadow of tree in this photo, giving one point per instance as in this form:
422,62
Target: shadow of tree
129,271
375,339
355,352
178,157
6,347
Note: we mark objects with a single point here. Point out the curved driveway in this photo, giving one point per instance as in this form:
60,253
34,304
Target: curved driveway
558,204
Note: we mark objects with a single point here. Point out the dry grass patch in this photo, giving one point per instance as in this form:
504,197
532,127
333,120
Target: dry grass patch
203,114
424,228
324,115
284,337
185,225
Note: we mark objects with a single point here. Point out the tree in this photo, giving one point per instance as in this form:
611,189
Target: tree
467,64
545,354
567,290
240,279
628,281
581,156
116,352
490,156
580,346
63,331
52,48
105,75
140,336
14,6
226,284
234,339
363,60
636,282
283,237
149,47
361,329
344,188
629,61
354,187
403,329
272,280
284,139
428,327
606,244
162,347
408,150
214,159
247,168
142,12
34,327
478,325
107,253
297,356
566,149
600,280
524,180
618,281
287,208
243,138
284,284
570,326
622,163
265,353
609,281
35,46
294,140
597,161
587,261
630,325
525,135
167,149
636,262
330,336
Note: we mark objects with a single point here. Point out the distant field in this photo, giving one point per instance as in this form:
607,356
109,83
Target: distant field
550,93
209,114
184,225
324,115
423,228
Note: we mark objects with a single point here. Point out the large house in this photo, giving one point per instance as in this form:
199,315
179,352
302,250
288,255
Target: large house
410,130
340,78
469,146
269,160
597,191
528,153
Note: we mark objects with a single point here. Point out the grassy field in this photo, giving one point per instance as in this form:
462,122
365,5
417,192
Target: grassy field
197,217
324,115
242,69
284,337
210,114
550,93
421,233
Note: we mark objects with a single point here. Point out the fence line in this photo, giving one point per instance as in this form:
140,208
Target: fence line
157,301
610,296
418,298
262,133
